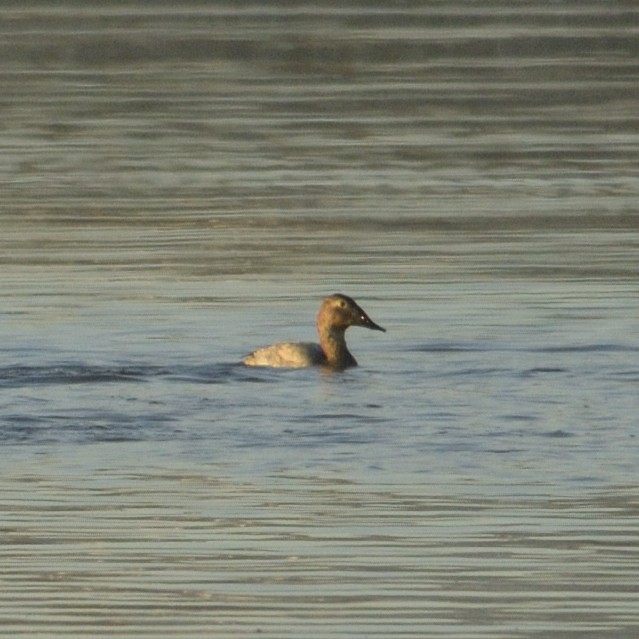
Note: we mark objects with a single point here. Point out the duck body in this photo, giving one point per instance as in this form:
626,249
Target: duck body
287,354
335,315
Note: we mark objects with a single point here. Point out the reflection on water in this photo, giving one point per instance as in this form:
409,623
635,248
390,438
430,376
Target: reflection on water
180,186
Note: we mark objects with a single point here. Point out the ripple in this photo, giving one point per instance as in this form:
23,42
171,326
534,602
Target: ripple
18,376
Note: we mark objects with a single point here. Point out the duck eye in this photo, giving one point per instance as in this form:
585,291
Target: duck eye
342,304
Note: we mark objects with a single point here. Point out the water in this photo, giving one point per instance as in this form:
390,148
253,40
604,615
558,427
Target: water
180,186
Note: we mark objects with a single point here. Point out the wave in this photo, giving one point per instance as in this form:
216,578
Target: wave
18,376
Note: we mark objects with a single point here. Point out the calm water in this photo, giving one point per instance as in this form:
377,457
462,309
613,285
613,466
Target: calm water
180,186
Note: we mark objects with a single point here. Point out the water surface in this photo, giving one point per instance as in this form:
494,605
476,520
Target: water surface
181,186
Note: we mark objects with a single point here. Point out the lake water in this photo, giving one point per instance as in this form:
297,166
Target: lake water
180,185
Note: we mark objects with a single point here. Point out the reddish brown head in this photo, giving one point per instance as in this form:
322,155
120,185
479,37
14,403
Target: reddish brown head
340,311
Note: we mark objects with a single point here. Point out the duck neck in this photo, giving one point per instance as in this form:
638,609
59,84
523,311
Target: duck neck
334,346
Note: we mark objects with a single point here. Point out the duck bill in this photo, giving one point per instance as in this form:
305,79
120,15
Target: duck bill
367,322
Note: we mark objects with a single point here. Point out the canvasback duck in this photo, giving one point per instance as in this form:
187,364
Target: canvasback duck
335,315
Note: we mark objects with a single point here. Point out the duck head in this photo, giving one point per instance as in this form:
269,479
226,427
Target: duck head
340,311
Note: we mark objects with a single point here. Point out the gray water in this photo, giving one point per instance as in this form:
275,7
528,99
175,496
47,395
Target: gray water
181,184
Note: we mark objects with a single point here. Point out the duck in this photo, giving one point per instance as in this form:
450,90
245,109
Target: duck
336,314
